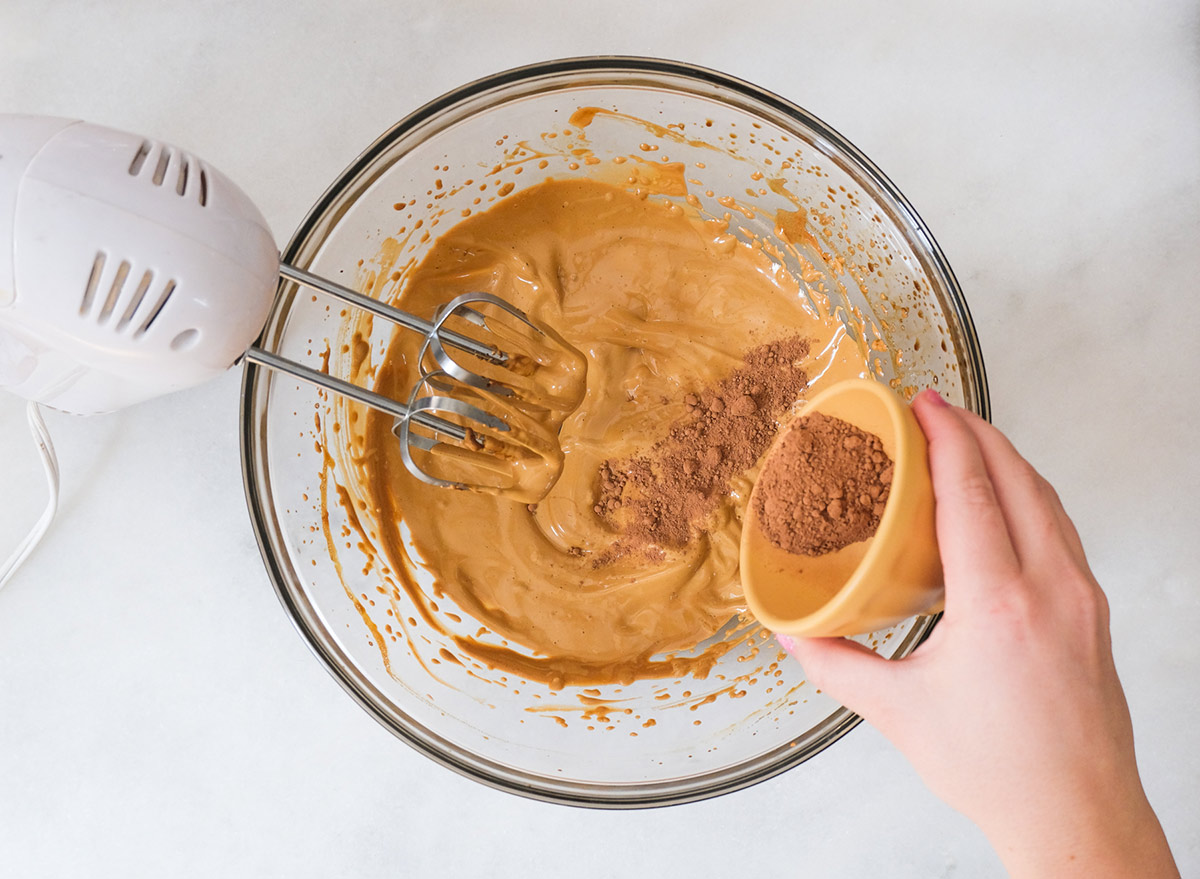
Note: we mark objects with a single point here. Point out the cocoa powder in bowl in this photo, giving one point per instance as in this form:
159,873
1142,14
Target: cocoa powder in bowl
824,488
659,500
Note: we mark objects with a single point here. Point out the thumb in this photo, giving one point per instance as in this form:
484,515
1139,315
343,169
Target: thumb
852,674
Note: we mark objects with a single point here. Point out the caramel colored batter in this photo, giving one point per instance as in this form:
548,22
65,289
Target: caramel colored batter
661,304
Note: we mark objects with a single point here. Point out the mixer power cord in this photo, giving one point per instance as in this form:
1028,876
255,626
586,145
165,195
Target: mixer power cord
41,437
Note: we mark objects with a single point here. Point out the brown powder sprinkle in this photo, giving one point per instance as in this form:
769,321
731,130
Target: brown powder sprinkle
657,501
824,488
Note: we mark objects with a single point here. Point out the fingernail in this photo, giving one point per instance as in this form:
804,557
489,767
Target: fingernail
785,642
934,397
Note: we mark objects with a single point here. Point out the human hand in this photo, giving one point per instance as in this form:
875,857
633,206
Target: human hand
1011,711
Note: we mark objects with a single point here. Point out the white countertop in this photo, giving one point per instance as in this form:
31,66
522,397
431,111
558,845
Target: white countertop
159,716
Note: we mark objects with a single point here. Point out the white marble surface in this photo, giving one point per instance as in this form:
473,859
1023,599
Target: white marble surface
160,717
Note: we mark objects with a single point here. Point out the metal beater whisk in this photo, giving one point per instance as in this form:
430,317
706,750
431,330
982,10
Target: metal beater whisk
502,421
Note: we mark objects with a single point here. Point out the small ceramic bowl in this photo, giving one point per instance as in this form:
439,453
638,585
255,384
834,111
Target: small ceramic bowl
871,584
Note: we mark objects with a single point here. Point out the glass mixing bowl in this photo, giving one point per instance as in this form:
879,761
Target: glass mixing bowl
652,742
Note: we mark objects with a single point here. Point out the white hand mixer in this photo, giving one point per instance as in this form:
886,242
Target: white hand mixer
130,268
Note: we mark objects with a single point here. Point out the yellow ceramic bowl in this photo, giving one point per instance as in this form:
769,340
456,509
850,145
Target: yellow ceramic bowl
867,585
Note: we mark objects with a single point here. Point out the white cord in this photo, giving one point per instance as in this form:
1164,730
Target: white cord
41,436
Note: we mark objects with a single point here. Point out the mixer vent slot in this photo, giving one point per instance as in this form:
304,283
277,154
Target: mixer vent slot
139,159
114,292
156,309
93,283
160,170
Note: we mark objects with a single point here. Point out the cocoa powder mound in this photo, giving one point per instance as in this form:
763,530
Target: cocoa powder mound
657,501
824,488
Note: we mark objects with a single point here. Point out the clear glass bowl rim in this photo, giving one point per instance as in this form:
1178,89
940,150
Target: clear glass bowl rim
619,70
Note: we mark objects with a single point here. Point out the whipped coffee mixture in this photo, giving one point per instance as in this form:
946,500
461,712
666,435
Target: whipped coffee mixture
696,344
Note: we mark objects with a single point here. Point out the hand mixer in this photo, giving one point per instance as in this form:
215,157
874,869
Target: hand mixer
130,268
